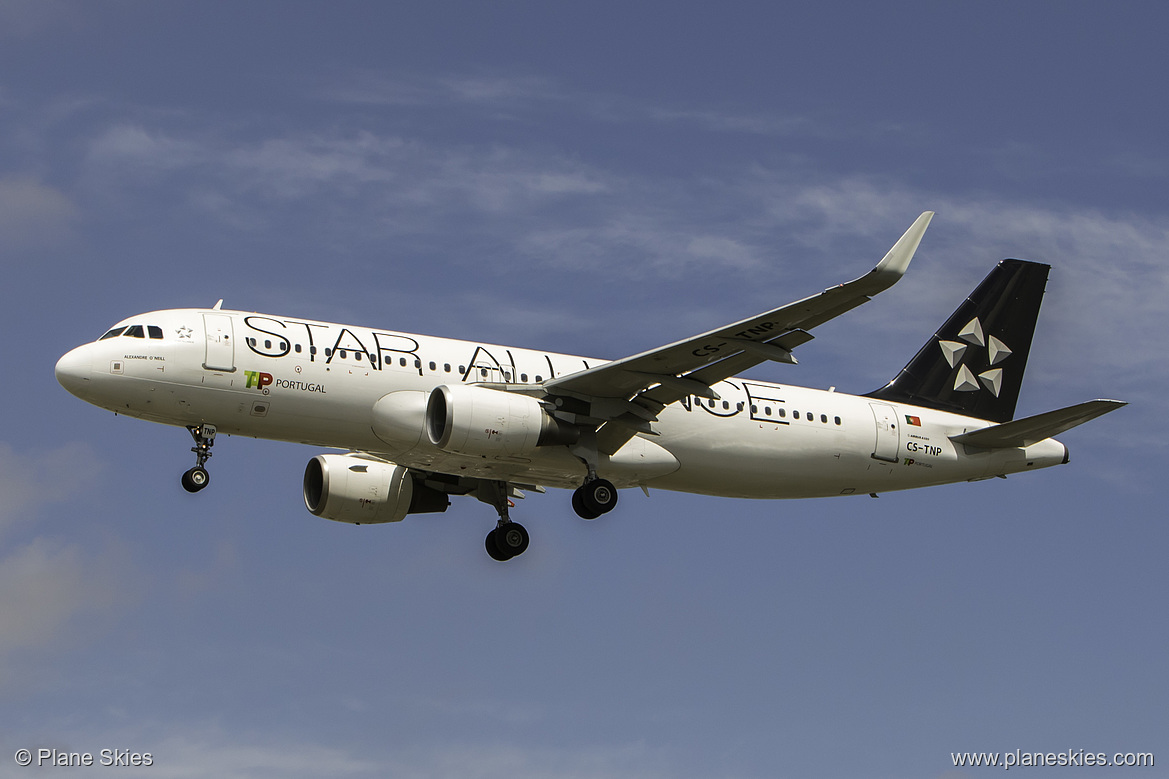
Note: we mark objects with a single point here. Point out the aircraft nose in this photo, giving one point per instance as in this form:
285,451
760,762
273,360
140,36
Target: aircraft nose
73,370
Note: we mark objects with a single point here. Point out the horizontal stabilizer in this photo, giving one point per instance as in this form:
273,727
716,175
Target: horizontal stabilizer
1031,430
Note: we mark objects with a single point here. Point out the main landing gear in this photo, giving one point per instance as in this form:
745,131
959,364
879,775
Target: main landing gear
197,478
508,539
594,498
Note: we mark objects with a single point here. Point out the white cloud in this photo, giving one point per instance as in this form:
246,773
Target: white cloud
33,214
31,481
505,94
42,584
48,587
182,756
144,151
400,89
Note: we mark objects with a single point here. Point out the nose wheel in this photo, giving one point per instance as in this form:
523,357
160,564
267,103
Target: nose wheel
197,478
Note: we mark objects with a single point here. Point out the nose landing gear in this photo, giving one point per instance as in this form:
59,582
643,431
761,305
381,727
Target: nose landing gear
197,478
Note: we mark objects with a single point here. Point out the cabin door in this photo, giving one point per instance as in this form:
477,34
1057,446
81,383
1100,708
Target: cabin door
220,343
888,444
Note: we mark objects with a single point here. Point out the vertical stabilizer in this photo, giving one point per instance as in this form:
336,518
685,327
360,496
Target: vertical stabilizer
974,364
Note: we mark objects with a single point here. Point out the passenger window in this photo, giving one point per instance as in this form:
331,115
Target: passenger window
328,352
135,331
524,378
154,330
462,369
113,333
767,410
838,420
433,366
824,418
297,348
268,344
538,379
312,350
446,367
402,361
357,356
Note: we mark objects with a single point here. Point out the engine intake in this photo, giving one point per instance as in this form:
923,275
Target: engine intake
465,419
345,488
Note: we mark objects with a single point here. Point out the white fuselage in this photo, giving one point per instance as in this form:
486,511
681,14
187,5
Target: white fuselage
327,385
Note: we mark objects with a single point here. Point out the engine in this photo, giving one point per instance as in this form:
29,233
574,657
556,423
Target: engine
346,488
465,419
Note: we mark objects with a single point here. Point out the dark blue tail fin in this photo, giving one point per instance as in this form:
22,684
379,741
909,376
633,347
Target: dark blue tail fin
974,364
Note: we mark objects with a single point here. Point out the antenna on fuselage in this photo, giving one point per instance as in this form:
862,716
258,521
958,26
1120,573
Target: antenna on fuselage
217,306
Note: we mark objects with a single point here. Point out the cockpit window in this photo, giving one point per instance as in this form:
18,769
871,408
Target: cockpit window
134,331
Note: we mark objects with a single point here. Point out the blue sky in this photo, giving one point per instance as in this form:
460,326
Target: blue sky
598,179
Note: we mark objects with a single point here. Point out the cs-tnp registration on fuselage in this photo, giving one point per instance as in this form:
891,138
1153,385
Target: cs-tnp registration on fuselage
421,419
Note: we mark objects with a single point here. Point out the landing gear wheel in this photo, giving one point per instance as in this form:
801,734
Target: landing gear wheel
598,496
507,541
196,479
493,550
512,539
579,507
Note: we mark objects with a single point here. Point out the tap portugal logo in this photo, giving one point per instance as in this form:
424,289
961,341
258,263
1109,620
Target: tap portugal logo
262,381
257,380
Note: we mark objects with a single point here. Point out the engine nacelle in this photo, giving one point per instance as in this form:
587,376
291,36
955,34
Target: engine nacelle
352,489
465,419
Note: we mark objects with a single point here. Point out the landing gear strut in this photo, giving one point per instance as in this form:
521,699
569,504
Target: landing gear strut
508,539
197,478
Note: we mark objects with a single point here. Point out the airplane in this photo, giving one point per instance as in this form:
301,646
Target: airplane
420,419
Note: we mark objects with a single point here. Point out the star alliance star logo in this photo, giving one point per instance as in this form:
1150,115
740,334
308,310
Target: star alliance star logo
997,351
184,333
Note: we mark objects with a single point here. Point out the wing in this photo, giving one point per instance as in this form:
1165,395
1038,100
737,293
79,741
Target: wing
624,396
